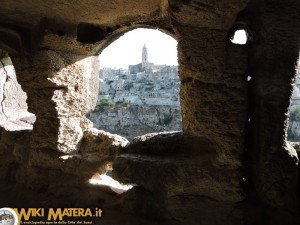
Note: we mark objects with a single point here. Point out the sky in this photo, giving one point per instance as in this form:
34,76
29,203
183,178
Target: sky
127,50
239,37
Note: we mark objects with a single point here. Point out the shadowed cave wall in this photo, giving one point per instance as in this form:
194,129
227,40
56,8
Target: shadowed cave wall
230,165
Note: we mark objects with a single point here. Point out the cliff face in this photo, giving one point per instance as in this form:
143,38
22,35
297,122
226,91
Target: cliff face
139,101
135,120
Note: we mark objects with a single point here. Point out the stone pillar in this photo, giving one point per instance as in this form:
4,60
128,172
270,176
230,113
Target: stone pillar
60,93
213,91
214,110
273,68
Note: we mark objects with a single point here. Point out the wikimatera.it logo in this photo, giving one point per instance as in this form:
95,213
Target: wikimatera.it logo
15,216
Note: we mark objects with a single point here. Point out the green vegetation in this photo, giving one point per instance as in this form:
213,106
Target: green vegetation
295,113
123,103
104,102
127,86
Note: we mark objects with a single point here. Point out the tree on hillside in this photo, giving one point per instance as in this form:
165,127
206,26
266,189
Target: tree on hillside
295,113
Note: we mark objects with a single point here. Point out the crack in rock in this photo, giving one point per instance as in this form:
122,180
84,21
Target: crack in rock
2,102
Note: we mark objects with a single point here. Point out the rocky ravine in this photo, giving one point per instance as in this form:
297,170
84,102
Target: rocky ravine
135,120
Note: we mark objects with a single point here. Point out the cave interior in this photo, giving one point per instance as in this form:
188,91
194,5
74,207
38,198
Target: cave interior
231,164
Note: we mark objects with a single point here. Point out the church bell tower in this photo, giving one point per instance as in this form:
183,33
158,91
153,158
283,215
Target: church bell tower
144,55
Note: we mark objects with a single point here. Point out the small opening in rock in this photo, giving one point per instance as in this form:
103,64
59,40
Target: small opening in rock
139,85
105,179
14,113
240,37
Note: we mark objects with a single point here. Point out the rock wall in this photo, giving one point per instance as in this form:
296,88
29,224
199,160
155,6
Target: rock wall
135,120
60,90
230,165
273,59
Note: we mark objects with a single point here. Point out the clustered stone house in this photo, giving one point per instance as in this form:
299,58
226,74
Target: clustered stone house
230,165
151,96
144,83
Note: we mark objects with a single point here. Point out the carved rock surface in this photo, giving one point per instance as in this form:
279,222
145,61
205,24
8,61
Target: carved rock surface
60,94
186,167
230,166
10,157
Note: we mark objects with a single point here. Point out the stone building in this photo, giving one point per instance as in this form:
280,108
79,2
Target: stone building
144,80
230,165
144,55
143,66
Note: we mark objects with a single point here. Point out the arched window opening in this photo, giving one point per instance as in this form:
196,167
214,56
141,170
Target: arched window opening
139,85
293,131
13,107
138,91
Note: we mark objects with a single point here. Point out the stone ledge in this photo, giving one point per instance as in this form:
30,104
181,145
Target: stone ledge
178,175
170,143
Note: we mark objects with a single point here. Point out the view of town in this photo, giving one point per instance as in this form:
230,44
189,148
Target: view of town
144,98
141,99
293,133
